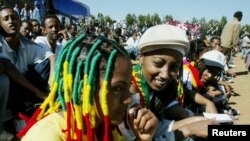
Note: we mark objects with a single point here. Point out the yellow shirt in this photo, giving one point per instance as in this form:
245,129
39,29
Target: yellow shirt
47,129
51,127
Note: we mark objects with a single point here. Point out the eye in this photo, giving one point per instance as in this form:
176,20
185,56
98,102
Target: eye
118,89
158,63
5,18
50,27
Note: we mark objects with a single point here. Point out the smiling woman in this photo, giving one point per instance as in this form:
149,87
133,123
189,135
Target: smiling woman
162,48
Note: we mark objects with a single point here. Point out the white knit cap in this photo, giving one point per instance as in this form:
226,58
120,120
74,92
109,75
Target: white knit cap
214,58
164,36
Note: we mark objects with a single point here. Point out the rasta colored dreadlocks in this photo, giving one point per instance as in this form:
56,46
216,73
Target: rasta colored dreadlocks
74,85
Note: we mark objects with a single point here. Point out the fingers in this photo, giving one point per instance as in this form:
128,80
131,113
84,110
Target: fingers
142,119
150,123
137,115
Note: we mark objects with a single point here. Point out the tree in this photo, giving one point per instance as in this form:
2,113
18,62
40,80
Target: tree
222,23
168,18
204,26
107,19
141,21
156,19
100,19
194,20
130,19
148,21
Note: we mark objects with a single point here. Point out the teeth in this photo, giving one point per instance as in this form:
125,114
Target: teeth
160,82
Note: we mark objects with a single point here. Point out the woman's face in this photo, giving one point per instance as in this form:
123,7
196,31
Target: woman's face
160,67
118,97
209,74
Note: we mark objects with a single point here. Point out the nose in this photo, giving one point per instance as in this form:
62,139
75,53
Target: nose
11,19
164,73
53,28
127,99
209,75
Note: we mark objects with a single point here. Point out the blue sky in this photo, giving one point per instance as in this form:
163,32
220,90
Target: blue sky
182,10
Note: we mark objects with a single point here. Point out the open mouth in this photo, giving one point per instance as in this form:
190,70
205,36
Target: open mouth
13,27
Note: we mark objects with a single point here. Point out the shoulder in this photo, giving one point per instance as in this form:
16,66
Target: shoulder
30,44
53,123
40,38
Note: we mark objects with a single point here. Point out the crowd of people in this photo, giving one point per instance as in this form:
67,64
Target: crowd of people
91,82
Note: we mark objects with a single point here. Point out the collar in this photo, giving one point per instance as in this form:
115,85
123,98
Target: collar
3,44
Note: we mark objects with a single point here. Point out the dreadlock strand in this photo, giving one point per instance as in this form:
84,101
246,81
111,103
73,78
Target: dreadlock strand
76,101
60,94
91,79
87,107
104,104
76,85
69,56
73,59
86,71
50,99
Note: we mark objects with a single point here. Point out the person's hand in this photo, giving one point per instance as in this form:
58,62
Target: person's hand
143,122
213,92
64,34
198,129
228,89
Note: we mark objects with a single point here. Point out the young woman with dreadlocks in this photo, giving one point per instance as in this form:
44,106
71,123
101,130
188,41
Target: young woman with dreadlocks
89,97
154,79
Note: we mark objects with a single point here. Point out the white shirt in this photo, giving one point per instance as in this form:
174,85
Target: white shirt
29,53
131,43
245,41
42,41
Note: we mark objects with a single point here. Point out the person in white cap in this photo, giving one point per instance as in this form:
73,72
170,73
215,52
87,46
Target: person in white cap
154,79
211,66
195,78
162,49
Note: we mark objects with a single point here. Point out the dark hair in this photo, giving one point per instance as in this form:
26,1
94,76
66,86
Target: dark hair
8,7
214,38
71,25
48,17
188,32
34,20
3,8
26,21
196,47
201,67
238,14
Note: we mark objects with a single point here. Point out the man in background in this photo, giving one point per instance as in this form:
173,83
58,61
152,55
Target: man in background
230,35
